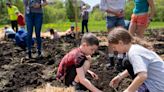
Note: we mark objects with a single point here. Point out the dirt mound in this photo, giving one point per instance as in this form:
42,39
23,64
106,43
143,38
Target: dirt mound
22,75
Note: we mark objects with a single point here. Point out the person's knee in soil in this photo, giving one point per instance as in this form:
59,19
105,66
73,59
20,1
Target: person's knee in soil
76,63
9,33
145,66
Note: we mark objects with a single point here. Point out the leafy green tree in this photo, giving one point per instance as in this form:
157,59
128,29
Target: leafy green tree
97,15
70,11
54,13
129,9
159,10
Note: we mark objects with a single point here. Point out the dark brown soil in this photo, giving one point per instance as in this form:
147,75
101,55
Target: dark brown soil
18,73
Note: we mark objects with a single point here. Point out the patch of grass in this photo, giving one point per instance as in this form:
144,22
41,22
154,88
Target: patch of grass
93,26
61,26
1,26
156,25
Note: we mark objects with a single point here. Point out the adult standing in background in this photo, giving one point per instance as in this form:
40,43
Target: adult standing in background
141,17
115,12
13,17
85,17
34,18
115,18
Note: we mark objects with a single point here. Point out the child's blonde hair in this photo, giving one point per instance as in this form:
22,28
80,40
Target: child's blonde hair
121,34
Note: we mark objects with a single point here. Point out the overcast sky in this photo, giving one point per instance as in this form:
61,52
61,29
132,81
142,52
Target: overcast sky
92,2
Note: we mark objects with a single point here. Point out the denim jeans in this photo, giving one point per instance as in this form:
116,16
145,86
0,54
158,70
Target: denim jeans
34,20
143,88
113,21
84,24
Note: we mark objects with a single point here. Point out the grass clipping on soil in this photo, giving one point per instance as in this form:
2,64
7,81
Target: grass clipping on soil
49,88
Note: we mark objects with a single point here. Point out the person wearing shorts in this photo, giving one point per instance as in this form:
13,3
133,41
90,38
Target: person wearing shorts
140,18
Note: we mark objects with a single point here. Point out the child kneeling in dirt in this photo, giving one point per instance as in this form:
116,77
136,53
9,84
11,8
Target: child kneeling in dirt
147,66
9,32
70,33
54,34
20,38
76,64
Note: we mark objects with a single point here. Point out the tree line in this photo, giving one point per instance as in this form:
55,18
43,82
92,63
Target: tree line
60,12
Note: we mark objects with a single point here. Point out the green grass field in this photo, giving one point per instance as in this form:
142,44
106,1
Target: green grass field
94,26
1,26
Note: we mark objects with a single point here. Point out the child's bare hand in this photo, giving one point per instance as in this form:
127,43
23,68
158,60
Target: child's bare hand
89,58
114,82
95,76
120,13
